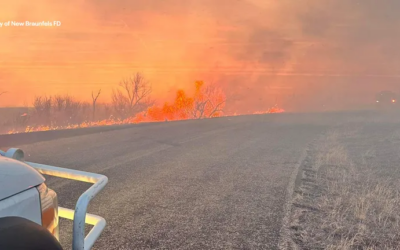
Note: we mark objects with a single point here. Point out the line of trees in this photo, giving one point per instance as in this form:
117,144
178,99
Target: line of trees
131,97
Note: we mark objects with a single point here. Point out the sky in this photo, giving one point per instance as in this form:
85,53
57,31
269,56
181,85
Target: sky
298,54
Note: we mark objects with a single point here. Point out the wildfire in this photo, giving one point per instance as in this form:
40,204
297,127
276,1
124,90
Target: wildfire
208,101
274,109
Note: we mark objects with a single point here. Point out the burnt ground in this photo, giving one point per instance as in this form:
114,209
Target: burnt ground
210,184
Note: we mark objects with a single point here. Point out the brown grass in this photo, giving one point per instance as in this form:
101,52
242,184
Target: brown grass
349,207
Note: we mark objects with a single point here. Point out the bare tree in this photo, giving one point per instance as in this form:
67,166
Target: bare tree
43,106
200,101
216,100
132,94
119,103
199,109
94,100
73,109
59,103
209,101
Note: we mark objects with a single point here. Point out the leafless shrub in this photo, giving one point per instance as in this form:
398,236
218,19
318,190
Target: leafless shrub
209,101
72,108
94,100
131,95
120,104
43,106
59,103
59,110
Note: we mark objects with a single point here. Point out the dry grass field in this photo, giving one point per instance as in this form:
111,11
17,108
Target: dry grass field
347,194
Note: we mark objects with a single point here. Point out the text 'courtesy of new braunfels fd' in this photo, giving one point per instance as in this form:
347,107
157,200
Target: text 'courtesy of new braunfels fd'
30,24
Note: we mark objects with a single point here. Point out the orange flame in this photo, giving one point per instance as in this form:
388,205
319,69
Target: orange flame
208,101
274,109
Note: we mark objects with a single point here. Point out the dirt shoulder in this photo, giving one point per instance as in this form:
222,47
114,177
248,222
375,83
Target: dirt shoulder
347,190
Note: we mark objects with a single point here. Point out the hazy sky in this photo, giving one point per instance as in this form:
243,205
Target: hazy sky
259,50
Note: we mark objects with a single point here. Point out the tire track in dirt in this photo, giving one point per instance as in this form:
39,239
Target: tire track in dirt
285,239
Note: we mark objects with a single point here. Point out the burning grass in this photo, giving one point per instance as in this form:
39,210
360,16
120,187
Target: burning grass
130,105
343,205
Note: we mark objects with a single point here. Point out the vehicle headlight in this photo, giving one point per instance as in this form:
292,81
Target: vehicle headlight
49,205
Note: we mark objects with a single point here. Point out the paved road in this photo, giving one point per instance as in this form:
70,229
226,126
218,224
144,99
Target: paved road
209,184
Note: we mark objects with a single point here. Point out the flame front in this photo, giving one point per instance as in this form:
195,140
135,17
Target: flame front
208,101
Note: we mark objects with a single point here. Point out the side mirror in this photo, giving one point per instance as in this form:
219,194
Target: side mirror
14,153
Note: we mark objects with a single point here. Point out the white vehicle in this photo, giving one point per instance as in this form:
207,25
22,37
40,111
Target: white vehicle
30,208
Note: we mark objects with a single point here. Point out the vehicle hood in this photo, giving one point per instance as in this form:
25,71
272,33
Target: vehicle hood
17,176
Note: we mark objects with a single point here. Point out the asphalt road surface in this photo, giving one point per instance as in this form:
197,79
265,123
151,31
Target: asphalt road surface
210,184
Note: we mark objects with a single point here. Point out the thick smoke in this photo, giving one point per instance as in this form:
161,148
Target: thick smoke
300,54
